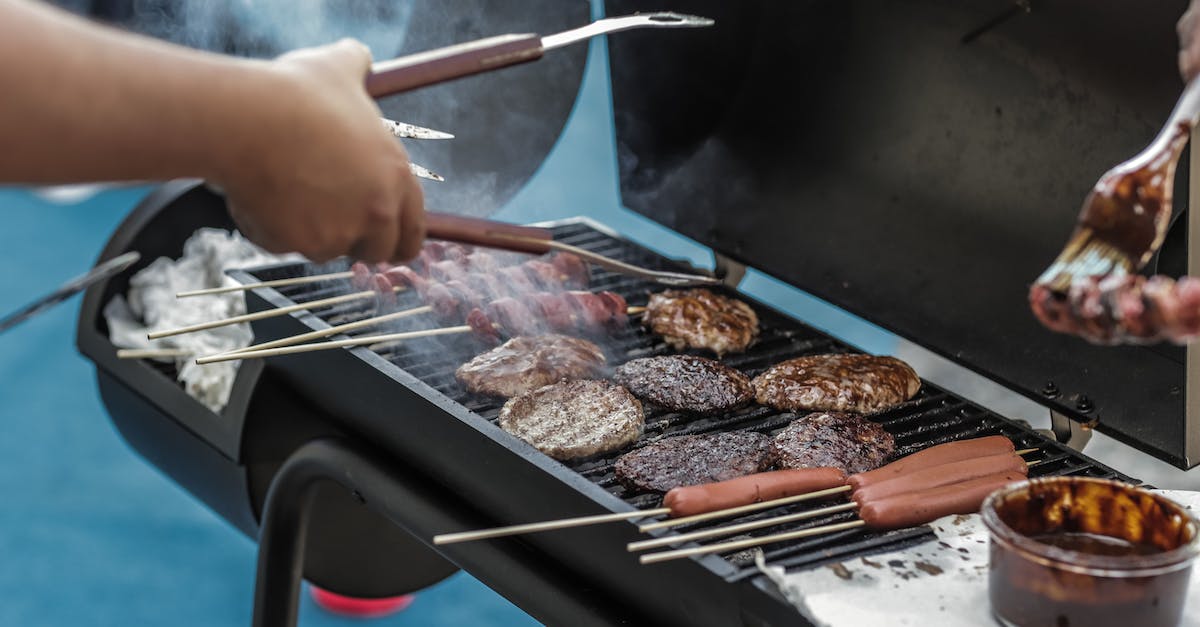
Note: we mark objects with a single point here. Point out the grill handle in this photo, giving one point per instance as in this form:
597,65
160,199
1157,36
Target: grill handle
442,64
489,233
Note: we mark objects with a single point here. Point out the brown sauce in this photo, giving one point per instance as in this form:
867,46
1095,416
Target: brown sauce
1095,544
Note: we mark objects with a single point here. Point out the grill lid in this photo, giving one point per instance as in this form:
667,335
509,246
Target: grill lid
918,164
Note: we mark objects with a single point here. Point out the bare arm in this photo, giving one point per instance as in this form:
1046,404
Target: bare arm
296,142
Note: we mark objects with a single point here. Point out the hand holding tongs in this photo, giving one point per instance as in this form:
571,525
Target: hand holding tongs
484,55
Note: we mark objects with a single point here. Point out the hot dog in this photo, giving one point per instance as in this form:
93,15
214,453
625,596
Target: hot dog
921,507
764,486
942,475
934,456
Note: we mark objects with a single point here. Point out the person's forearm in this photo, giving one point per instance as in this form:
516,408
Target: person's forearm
80,102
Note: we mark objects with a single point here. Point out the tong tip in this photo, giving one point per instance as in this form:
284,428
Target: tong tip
670,18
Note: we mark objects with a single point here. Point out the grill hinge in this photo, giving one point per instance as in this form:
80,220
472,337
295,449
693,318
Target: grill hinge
1074,434
729,271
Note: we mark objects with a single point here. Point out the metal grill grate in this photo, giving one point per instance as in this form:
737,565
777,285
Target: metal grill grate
932,417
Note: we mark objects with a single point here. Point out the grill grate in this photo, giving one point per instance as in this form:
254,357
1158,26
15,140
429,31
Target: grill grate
932,417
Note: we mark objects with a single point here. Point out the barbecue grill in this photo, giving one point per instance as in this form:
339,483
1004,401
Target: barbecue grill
344,463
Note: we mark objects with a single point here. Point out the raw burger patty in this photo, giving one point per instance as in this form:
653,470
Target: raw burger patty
699,318
860,383
527,363
694,459
840,440
686,383
575,419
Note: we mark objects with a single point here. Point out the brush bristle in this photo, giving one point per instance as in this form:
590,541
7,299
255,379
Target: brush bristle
1084,256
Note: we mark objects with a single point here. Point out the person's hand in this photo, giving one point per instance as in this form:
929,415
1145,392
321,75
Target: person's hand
316,173
1188,28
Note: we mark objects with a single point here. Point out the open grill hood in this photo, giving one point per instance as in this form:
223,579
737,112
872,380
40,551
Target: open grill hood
918,164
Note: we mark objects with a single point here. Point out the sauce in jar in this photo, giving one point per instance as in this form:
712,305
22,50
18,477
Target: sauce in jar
1088,552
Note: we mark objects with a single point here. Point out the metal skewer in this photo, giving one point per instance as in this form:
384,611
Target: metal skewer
268,313
324,346
482,534
738,528
749,542
334,330
300,280
151,353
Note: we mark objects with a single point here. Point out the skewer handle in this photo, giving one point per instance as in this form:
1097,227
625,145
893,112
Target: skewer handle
442,64
324,346
266,313
489,233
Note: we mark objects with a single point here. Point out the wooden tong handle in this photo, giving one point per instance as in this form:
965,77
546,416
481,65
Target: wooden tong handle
489,233
443,64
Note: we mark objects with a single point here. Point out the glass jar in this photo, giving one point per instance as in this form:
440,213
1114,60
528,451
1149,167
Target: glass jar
1079,551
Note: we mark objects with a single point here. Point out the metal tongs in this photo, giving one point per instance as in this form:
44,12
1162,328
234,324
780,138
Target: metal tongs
538,241
484,55
443,64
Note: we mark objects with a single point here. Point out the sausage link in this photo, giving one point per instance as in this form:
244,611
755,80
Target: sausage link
938,476
763,486
918,508
934,456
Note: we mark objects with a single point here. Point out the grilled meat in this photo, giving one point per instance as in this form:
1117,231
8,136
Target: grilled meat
860,383
694,459
575,419
835,439
699,318
524,363
686,383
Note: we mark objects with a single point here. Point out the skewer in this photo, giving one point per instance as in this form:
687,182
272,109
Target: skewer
334,330
744,509
467,536
322,346
1026,451
150,353
267,313
300,280
749,542
286,348
634,311
738,528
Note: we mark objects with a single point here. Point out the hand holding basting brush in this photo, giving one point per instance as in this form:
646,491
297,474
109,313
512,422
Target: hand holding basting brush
1092,289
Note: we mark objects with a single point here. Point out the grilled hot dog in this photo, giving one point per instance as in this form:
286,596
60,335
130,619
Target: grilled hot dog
942,475
764,486
923,506
934,456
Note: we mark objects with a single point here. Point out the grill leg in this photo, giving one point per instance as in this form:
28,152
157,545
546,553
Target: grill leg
553,594
285,521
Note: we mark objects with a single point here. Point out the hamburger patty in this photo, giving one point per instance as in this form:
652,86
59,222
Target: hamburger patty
686,383
527,363
859,383
694,459
699,318
575,419
840,440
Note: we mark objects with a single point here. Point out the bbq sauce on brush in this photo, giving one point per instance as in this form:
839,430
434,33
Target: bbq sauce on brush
1095,544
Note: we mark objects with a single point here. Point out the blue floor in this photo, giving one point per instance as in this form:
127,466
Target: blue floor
92,535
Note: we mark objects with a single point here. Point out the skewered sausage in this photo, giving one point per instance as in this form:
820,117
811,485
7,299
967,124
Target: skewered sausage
923,506
934,456
764,486
941,475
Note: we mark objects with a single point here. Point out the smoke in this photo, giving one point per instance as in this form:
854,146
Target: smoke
505,122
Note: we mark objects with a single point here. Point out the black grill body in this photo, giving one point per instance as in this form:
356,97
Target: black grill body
402,407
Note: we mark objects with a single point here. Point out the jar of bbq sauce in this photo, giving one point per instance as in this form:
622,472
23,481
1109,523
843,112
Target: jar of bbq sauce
1084,552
